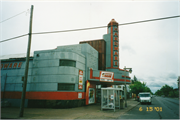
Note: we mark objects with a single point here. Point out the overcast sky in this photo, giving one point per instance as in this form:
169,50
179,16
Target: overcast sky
151,49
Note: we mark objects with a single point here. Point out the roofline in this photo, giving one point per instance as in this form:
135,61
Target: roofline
92,40
15,59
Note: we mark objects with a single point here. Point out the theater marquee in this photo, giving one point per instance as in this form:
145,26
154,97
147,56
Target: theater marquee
106,76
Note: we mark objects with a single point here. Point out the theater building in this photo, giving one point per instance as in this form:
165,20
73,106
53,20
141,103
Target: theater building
68,76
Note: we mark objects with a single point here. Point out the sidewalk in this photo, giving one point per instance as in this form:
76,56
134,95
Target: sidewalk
85,112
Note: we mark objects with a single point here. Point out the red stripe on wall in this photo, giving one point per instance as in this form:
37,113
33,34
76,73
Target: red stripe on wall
122,80
44,95
126,76
11,95
111,44
91,75
87,92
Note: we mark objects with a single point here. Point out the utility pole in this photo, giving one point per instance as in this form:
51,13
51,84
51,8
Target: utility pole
27,66
125,90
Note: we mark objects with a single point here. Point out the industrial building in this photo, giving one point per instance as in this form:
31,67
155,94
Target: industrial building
68,76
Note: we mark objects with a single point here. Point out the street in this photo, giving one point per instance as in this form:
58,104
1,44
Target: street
161,108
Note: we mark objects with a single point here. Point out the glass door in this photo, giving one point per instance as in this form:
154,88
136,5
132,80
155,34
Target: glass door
91,95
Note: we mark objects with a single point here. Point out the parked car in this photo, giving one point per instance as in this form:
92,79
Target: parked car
145,97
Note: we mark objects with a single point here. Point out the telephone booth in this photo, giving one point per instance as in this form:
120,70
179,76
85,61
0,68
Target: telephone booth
110,98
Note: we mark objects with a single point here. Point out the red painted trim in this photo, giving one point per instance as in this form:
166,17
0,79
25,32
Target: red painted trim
11,95
91,75
126,76
112,67
122,80
87,92
121,69
92,85
118,45
111,44
44,95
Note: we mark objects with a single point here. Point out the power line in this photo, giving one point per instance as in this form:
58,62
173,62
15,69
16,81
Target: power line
13,38
106,26
70,30
13,16
92,27
149,20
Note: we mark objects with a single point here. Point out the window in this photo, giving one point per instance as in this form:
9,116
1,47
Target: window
66,86
144,95
64,62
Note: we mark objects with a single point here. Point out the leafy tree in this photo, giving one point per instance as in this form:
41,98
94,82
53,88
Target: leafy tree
138,87
158,92
167,91
173,93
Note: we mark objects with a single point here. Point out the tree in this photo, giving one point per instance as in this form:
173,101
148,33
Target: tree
166,90
158,92
138,87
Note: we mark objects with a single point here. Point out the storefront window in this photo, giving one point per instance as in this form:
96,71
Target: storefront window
63,62
66,86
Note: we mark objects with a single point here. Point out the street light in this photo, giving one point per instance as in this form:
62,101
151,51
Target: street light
130,71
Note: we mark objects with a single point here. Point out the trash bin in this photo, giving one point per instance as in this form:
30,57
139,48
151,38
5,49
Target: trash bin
122,103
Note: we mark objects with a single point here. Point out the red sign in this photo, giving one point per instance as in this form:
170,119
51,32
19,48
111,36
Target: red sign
80,72
106,76
11,65
115,47
80,86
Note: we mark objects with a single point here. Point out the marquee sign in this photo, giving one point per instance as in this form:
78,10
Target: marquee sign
80,86
106,76
11,65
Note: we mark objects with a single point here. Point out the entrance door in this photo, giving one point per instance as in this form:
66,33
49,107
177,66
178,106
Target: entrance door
91,95
98,94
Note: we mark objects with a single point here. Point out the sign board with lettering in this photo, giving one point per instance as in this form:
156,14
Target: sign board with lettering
106,76
115,47
14,65
80,86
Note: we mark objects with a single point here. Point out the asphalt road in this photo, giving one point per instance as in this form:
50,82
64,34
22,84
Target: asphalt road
161,108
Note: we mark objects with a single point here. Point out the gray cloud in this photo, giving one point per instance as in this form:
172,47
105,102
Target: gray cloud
172,76
154,84
174,85
151,78
128,48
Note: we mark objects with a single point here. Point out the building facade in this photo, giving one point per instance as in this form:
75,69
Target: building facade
68,76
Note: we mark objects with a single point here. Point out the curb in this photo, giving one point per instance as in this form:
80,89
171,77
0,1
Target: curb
133,107
128,110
